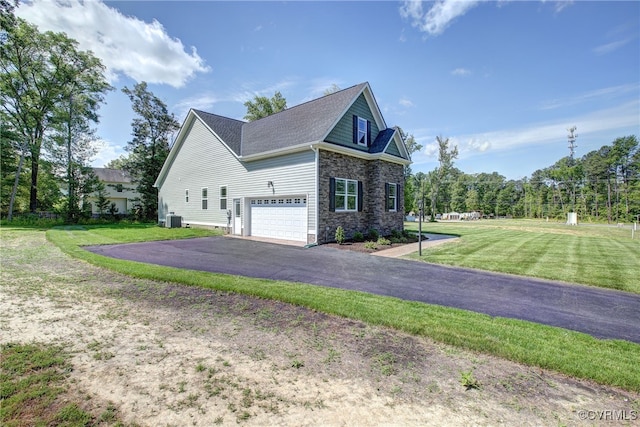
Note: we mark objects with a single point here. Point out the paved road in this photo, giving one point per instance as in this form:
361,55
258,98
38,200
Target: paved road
599,312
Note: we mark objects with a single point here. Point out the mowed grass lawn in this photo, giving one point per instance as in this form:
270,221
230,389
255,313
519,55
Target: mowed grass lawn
612,362
596,255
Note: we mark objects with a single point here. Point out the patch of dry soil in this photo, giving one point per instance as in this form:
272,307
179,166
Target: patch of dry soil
164,354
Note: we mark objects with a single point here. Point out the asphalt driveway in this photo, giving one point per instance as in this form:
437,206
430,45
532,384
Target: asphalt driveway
599,312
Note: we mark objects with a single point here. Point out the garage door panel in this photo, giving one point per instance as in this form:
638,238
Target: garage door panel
281,220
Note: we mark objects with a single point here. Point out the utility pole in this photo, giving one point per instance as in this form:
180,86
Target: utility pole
572,142
572,148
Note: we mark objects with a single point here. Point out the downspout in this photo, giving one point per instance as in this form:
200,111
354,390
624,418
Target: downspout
316,150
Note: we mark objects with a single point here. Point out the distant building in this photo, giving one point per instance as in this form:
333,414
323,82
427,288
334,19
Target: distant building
455,216
120,190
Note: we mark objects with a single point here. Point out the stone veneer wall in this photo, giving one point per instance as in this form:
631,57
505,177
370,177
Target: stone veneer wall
373,174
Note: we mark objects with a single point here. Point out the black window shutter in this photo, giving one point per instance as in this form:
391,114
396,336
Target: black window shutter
398,195
332,194
368,133
386,197
355,129
360,196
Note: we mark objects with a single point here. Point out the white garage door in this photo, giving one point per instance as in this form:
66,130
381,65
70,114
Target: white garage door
279,218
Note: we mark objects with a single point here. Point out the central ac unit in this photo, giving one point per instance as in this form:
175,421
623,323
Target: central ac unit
173,221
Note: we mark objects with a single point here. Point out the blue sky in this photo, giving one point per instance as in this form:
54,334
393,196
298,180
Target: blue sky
503,80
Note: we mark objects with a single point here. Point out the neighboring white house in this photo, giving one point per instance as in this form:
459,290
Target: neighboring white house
119,188
295,175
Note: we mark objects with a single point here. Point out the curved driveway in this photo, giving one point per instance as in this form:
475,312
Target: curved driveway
599,312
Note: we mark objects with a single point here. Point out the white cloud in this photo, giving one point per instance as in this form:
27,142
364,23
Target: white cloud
431,149
607,120
143,51
476,145
204,102
106,152
405,102
461,72
441,14
561,5
608,92
610,47
247,93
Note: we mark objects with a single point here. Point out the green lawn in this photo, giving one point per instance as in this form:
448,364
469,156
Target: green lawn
611,362
599,255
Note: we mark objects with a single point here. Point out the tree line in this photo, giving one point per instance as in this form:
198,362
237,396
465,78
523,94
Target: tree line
51,92
602,185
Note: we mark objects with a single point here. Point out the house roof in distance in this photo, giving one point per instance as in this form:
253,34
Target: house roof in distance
112,175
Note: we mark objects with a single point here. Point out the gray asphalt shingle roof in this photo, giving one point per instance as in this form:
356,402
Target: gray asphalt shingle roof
305,123
229,130
381,141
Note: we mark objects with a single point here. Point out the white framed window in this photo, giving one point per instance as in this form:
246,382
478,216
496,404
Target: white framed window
223,197
362,132
186,195
392,197
204,196
346,195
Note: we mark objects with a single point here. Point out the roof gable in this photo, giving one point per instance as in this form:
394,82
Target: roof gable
303,124
300,126
228,130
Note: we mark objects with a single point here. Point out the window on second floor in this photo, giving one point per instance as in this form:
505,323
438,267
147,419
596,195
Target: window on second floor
361,131
119,188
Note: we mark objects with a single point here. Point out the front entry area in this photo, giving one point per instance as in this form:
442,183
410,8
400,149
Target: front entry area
279,218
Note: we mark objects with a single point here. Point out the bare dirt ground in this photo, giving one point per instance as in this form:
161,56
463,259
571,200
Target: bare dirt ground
165,354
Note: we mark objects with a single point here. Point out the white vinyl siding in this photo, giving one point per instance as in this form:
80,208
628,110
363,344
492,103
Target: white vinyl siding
205,161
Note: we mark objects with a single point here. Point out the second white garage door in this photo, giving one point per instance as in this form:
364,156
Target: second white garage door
279,218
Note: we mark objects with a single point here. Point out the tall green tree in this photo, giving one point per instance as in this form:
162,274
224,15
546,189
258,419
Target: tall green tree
11,164
261,106
70,150
446,156
409,188
39,74
149,148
